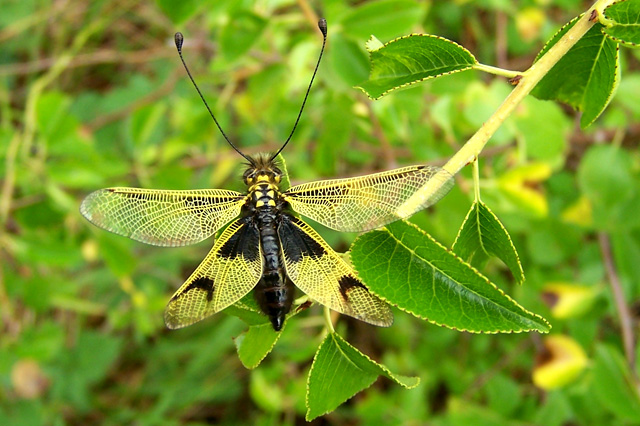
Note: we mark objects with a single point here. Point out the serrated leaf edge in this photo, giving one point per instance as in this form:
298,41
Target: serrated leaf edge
391,376
422,79
617,40
552,38
513,247
295,311
617,59
544,321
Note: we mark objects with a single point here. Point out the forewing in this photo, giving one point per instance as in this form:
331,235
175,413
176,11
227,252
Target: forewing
231,269
325,277
162,218
367,202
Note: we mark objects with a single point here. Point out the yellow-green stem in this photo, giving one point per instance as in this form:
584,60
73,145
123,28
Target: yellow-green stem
327,320
530,78
476,179
497,71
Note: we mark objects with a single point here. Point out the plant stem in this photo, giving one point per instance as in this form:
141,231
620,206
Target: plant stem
327,320
496,70
626,326
530,79
476,180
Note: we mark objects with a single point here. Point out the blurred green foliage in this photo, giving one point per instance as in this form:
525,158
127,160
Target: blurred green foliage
93,95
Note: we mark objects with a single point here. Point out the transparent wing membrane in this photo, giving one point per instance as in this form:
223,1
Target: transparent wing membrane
162,217
367,202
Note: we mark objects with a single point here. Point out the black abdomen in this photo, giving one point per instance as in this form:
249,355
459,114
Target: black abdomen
274,292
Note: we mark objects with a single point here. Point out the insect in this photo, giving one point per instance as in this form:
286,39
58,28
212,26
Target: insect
266,247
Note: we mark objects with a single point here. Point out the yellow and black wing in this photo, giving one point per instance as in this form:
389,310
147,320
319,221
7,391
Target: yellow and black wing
232,269
367,202
324,276
162,217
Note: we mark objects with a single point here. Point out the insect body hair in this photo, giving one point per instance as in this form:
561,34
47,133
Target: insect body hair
262,165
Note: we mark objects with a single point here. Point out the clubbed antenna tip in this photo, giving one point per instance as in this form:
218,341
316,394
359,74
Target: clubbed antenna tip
322,24
179,38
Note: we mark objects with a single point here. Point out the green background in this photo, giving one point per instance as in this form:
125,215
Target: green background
92,94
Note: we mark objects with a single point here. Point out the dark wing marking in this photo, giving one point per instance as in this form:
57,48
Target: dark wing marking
232,268
163,218
367,202
325,277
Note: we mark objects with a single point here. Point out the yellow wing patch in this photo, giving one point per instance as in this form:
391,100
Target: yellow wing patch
232,269
162,217
322,274
367,202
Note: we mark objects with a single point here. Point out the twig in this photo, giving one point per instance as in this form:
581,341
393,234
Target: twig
166,88
8,182
626,325
99,57
378,133
529,80
308,12
501,39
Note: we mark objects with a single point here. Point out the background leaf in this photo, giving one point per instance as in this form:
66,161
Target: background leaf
179,12
241,32
384,19
613,384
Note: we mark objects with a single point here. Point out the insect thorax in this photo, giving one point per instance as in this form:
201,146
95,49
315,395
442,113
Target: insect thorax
262,178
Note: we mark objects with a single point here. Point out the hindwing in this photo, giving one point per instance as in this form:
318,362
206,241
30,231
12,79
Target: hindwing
362,203
324,276
162,217
232,269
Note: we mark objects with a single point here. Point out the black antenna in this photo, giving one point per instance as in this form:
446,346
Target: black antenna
179,38
322,24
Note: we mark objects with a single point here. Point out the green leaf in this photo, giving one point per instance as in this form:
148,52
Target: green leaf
348,61
117,254
146,123
606,177
626,28
385,19
613,384
268,397
545,143
339,371
412,59
255,344
179,11
483,235
585,77
84,365
247,310
408,268
241,31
